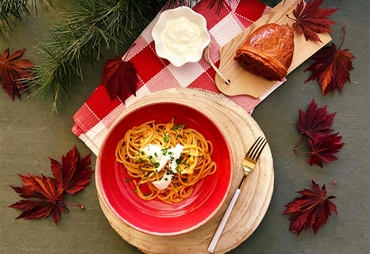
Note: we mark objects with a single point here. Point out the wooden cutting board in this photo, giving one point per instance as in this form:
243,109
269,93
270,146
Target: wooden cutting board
244,82
240,131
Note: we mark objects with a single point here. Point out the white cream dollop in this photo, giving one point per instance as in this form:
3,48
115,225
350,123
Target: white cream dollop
169,156
181,37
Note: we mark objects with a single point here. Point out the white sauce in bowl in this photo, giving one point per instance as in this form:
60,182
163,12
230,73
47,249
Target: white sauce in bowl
169,157
181,37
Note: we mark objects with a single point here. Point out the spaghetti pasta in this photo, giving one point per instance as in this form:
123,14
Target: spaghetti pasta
165,160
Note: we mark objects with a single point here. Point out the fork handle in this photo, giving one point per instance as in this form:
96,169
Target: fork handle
222,224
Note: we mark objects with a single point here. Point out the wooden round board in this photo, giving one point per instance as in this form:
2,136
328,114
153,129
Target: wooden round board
240,131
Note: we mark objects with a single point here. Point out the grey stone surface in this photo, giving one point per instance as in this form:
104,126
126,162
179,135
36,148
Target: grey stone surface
29,135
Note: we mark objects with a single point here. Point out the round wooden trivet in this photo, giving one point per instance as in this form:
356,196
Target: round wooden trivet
240,131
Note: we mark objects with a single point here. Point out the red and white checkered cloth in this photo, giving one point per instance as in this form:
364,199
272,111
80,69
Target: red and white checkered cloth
97,114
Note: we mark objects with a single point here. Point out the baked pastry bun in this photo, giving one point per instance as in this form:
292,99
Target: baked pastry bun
268,51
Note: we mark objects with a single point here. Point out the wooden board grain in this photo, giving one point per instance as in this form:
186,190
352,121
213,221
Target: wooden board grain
244,82
240,131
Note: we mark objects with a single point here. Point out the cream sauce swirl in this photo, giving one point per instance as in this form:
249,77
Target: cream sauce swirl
181,37
169,157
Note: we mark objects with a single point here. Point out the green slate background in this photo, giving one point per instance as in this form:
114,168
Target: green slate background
29,135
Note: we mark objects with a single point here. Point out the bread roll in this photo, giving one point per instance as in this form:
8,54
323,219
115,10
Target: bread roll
268,51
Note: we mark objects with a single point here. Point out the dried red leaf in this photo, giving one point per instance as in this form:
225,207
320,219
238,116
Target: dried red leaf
315,122
311,210
43,196
12,70
119,78
332,67
324,148
75,174
310,19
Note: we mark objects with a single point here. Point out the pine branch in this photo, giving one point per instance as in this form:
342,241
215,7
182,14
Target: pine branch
12,10
93,26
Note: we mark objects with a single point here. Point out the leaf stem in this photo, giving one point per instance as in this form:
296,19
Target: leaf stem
287,15
79,205
295,148
125,56
344,36
331,187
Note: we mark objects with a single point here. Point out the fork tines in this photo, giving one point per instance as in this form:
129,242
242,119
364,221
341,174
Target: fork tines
256,149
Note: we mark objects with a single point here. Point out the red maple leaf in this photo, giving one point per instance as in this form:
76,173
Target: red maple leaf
324,148
119,78
332,67
12,70
311,210
75,174
310,19
44,196
315,122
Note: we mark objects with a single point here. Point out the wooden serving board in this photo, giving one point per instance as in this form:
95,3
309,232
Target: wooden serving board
240,131
244,82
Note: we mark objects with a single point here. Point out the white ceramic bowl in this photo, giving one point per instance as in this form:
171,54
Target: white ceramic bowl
180,35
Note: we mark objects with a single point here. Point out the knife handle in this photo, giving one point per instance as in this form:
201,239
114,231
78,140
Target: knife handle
222,224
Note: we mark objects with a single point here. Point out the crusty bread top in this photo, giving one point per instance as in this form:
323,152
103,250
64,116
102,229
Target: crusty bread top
268,51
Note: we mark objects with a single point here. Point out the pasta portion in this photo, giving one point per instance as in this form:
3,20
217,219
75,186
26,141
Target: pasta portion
165,160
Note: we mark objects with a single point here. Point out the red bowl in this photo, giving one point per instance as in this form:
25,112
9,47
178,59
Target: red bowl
154,216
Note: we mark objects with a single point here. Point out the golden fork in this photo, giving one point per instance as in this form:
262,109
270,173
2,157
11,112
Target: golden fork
249,163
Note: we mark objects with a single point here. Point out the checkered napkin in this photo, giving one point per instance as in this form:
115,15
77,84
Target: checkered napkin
97,114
